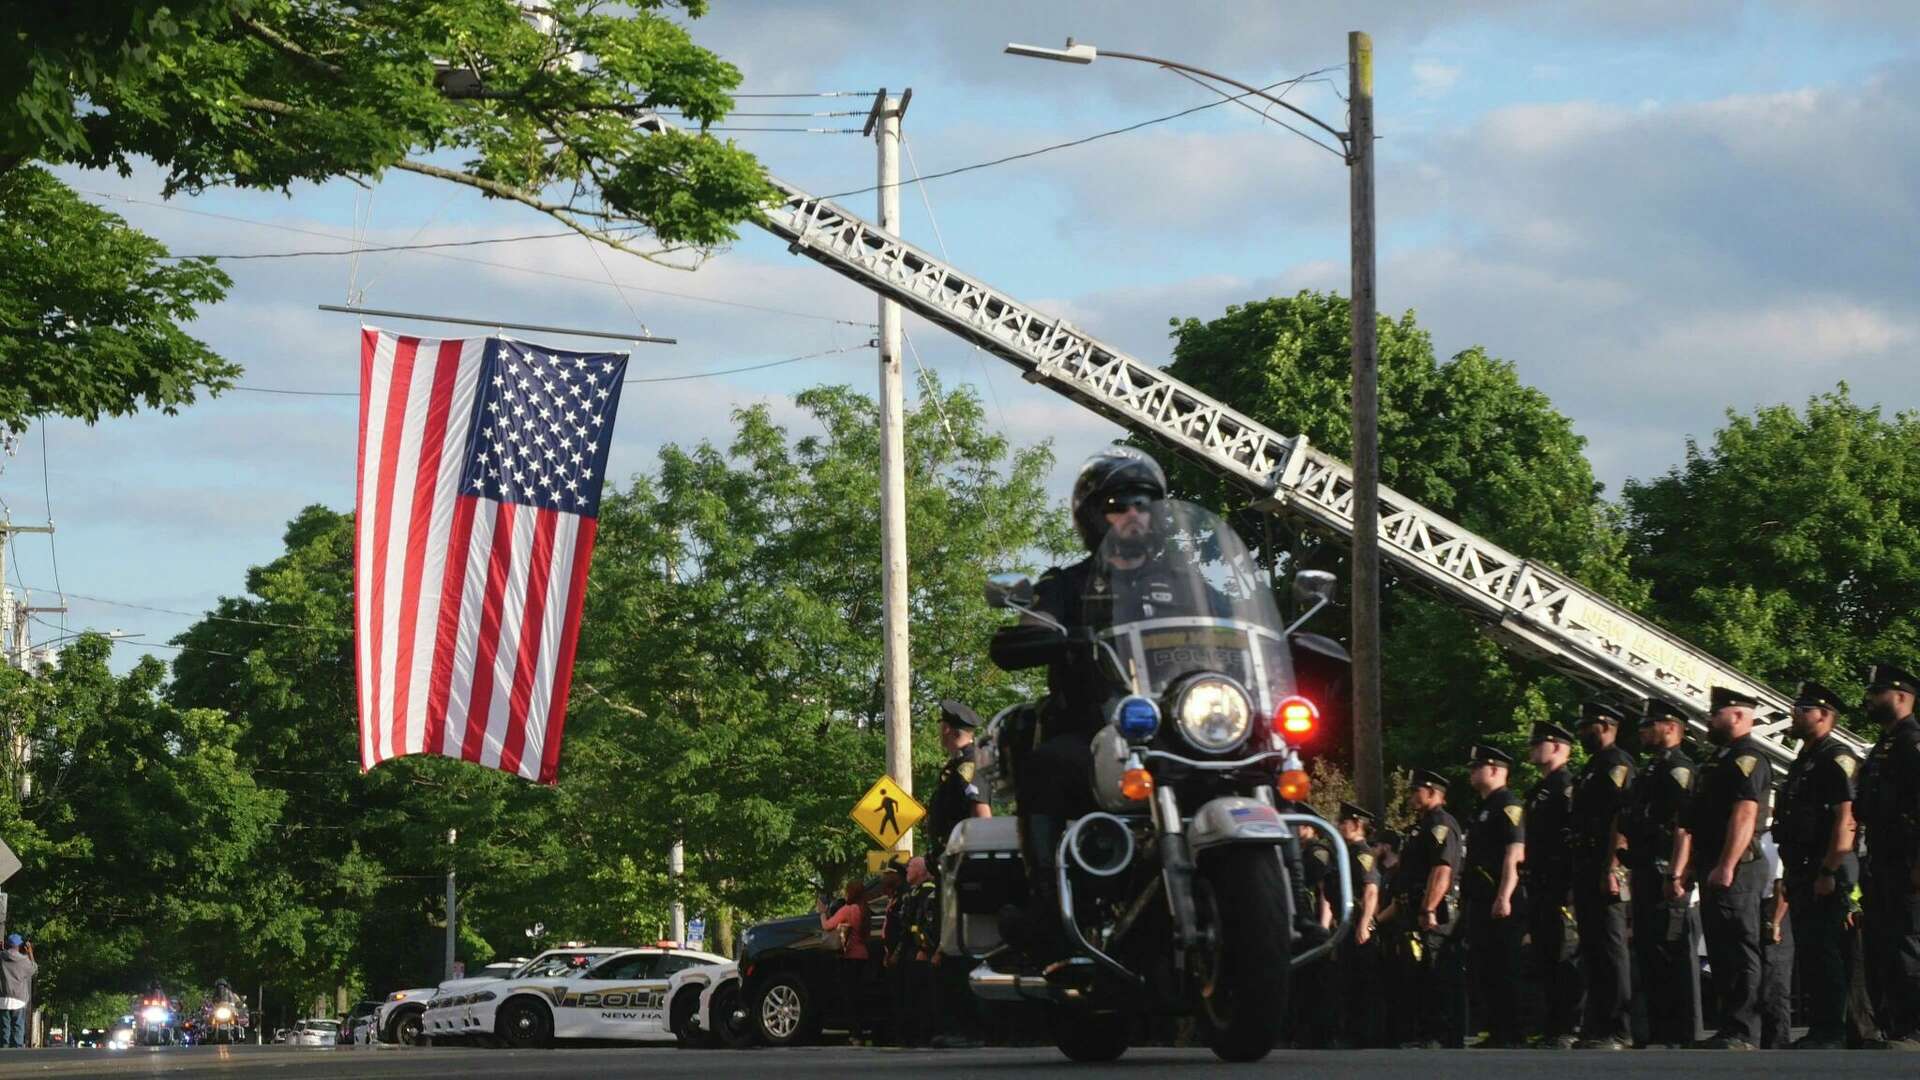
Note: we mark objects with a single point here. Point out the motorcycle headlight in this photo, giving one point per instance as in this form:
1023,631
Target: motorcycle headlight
223,1013
153,1014
1214,713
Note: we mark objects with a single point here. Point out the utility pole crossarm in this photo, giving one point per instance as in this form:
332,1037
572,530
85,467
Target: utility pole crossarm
1524,605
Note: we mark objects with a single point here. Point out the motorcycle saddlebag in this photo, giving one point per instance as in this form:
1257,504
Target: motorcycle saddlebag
981,872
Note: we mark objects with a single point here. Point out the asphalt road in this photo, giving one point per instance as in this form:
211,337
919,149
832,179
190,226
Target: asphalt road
838,1063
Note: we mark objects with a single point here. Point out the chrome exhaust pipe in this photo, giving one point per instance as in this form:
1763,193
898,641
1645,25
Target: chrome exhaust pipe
990,985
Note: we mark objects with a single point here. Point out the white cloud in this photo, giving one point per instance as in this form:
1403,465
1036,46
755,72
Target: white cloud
1432,79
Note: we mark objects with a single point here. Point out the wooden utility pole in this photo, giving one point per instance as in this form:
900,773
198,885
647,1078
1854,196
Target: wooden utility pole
1369,766
883,123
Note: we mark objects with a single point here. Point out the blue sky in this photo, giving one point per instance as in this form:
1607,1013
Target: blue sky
1657,211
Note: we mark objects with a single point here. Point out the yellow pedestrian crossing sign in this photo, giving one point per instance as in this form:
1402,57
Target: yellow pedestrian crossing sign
887,812
877,861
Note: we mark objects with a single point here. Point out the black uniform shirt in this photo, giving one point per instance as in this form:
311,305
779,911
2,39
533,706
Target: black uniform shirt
1497,822
1819,780
1889,804
922,913
1435,839
954,796
1364,867
1549,806
1597,797
1739,773
1656,806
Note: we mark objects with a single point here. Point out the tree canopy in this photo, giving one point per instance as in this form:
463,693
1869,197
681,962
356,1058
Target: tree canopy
1463,436
1790,545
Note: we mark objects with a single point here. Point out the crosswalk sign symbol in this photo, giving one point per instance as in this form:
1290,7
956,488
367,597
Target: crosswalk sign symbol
886,812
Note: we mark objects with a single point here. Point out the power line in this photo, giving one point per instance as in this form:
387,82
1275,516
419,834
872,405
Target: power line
1082,141
208,615
380,248
814,93
655,379
515,268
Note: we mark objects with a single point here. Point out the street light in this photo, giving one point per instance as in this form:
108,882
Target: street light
1357,151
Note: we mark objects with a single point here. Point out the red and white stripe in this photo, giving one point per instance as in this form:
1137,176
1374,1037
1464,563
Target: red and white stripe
466,609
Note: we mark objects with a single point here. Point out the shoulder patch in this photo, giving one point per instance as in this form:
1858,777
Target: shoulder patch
1847,762
1439,834
1618,774
1366,860
1514,813
1682,776
1747,763
966,771
1322,855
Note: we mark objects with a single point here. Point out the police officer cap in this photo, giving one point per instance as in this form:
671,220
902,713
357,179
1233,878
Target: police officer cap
1814,696
1599,712
1546,731
1483,754
1659,709
957,714
1889,677
1389,838
1429,778
1357,813
1724,697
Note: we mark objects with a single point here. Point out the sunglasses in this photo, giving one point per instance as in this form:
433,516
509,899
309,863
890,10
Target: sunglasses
1130,500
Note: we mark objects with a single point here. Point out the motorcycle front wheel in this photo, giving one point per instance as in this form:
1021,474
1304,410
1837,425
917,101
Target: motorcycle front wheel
1242,896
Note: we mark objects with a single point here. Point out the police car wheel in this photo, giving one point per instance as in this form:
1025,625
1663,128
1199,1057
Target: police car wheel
733,1029
785,1013
406,1029
1241,893
525,1024
679,1017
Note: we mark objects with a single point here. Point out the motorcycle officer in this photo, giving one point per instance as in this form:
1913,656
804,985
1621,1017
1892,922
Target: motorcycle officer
223,993
1114,501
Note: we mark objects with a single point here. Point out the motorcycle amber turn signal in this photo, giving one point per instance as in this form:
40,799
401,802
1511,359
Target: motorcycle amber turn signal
1294,785
1136,784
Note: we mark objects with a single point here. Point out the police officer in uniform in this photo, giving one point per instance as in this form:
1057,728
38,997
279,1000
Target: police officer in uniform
1115,498
956,797
920,913
1354,975
1889,809
1663,942
1720,852
1496,842
1549,868
1600,892
895,952
1420,920
1814,826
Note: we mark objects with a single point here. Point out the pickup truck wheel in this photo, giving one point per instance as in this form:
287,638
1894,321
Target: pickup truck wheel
784,1011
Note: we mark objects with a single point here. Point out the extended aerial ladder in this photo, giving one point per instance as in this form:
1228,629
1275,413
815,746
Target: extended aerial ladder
1532,609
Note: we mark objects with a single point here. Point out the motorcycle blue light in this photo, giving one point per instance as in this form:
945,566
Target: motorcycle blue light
1136,717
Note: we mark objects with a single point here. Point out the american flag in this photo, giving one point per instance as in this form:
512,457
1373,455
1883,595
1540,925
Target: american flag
480,470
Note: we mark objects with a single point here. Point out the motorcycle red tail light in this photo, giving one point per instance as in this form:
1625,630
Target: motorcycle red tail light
1295,716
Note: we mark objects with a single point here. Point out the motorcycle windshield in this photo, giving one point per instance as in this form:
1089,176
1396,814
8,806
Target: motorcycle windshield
1187,596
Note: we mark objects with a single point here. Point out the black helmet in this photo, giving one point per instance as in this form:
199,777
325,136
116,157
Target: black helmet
221,983
1110,472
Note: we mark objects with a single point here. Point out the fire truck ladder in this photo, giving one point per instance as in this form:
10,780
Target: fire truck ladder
1532,609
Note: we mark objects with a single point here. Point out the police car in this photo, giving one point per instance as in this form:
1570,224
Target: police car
703,1008
597,993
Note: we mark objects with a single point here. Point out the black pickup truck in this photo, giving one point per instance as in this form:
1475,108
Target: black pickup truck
792,987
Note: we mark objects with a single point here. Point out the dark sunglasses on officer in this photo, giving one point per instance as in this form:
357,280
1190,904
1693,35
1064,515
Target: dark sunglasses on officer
1123,501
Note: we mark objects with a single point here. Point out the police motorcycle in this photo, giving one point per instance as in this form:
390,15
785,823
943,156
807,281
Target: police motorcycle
223,1021
155,1022
1176,896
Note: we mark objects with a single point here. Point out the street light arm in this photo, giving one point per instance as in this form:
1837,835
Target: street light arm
1217,77
1082,53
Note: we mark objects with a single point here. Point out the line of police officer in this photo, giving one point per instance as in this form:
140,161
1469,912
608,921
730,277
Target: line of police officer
1620,846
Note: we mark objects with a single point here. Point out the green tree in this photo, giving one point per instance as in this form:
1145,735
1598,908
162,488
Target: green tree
1464,437
732,644
135,823
91,311
1790,546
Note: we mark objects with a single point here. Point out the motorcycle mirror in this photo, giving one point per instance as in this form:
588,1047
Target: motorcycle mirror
1312,587
1012,590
